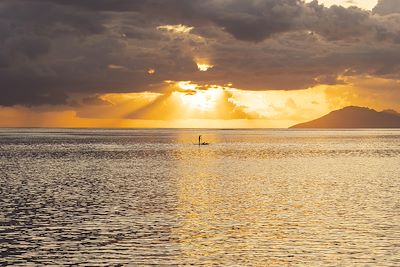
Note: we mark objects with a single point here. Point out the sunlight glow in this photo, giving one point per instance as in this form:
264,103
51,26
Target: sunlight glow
195,98
188,104
201,100
179,28
203,64
186,85
116,67
204,67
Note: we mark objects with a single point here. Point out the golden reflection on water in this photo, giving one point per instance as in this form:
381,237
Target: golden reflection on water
276,211
221,219
151,197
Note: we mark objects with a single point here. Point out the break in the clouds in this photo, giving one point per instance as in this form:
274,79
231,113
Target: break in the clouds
63,51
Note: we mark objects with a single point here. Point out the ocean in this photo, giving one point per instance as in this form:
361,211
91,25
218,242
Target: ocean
141,197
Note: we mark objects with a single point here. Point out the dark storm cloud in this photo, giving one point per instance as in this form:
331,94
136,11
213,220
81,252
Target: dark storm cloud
51,50
253,20
27,33
250,20
103,5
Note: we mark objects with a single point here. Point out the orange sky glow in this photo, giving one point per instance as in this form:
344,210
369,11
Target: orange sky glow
185,104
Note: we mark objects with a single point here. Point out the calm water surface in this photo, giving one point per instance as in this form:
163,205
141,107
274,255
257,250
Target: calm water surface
151,197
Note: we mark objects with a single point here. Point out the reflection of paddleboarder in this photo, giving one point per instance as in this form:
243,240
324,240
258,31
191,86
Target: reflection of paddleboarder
199,139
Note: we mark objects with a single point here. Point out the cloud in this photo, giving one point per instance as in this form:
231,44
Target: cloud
91,47
252,20
387,7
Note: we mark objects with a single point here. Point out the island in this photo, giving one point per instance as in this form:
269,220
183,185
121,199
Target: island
355,117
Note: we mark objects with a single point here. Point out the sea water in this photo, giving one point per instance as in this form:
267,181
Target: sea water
142,197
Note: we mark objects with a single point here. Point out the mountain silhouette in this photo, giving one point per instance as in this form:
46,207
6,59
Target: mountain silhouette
355,117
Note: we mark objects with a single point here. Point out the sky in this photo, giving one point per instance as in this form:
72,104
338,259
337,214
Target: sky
197,63
365,4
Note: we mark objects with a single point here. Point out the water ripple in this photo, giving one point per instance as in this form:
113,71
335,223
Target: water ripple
251,198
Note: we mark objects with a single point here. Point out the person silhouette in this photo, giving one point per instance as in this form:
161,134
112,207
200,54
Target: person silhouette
199,139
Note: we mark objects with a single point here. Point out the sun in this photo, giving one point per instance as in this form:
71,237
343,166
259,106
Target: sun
200,100
195,98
